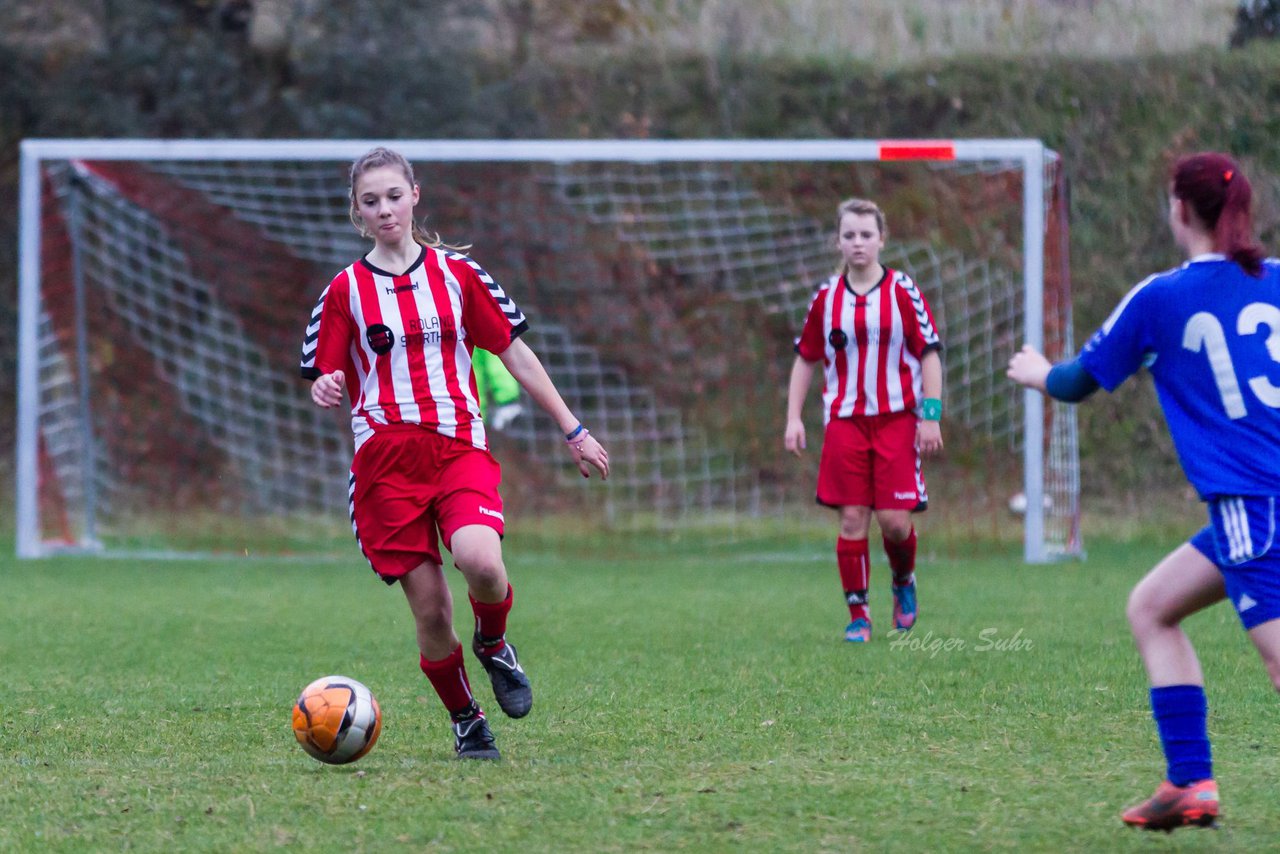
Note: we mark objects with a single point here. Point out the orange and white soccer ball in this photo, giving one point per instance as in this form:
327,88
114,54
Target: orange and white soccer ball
336,720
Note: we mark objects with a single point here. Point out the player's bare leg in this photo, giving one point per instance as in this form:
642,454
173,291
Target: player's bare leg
477,552
432,606
1184,582
1266,638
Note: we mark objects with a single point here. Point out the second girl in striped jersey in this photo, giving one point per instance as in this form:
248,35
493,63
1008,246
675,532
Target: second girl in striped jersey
873,332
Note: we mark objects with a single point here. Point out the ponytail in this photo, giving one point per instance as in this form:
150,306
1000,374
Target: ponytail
1221,197
1234,231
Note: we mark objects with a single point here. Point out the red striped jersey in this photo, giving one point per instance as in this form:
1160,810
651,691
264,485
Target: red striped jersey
870,344
405,342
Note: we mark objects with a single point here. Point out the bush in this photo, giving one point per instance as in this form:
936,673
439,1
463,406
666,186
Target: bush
1256,19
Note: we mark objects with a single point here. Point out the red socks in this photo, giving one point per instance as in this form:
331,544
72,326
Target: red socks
902,559
855,571
449,677
491,622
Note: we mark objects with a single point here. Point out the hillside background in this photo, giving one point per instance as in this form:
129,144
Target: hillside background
1118,87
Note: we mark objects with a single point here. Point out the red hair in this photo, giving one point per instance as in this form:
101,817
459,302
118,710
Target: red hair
1221,197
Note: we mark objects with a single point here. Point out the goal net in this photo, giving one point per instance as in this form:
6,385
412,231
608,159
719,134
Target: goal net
165,289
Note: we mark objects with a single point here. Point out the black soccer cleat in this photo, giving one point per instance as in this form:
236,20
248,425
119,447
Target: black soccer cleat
472,738
511,686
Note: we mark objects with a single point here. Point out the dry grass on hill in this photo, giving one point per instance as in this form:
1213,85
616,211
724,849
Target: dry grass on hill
902,32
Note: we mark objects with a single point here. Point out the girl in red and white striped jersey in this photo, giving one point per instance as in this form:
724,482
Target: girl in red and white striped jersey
397,329
871,329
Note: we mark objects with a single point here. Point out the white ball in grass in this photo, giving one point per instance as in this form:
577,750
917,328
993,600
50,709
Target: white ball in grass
1018,503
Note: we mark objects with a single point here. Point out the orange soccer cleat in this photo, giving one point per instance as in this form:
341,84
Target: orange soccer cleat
1173,806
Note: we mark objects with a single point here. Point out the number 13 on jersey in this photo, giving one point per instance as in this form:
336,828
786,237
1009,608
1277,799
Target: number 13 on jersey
1204,332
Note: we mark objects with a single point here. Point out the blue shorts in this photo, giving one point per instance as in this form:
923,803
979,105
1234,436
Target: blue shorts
1240,539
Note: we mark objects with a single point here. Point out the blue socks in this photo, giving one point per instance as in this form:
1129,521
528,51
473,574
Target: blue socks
1180,712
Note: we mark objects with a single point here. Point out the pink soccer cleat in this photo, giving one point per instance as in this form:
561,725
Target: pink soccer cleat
1173,806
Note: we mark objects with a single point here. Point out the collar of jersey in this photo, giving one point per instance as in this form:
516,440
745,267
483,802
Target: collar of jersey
422,254
1208,256
844,280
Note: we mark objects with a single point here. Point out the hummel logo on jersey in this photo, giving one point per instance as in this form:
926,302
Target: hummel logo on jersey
487,512
399,289
1246,602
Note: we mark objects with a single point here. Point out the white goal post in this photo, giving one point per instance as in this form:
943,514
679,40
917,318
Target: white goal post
50,166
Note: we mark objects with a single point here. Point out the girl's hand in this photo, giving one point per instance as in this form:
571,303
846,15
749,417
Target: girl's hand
929,437
793,440
1029,368
326,391
590,452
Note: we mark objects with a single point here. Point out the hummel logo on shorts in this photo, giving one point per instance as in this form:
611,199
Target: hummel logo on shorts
487,512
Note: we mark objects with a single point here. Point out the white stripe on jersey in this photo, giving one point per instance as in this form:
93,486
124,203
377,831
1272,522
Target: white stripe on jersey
369,387
871,359
461,356
311,342
1119,309
351,503
873,379
508,306
413,391
401,379
917,301
1124,303
895,353
831,383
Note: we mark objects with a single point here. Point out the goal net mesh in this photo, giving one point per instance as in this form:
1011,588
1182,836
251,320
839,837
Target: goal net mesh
663,298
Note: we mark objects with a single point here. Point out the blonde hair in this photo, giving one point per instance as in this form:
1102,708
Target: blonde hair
378,158
861,207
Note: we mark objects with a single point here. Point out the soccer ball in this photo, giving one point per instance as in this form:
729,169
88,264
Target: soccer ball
1018,503
336,720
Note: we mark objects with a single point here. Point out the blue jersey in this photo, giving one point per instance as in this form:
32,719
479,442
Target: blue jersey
1209,333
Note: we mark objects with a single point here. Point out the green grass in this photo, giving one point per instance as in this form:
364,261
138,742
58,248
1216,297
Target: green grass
690,695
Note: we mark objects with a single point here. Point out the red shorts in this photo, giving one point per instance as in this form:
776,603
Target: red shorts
406,481
872,461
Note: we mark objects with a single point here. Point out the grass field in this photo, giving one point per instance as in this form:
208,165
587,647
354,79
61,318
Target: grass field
690,696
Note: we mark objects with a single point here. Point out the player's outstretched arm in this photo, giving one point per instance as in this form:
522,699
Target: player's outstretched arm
1029,368
1067,381
527,368
326,391
793,438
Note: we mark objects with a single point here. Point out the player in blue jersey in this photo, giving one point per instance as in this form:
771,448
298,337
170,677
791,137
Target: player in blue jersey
1209,334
